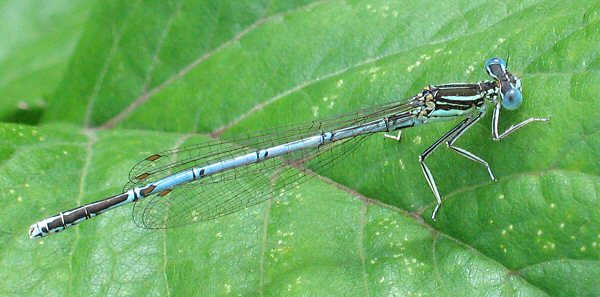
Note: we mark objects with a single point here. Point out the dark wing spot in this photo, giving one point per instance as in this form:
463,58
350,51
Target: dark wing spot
153,157
143,176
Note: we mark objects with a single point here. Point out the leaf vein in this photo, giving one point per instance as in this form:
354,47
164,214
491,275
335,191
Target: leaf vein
145,97
103,71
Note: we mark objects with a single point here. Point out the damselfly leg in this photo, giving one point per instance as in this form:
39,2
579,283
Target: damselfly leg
450,138
397,137
427,172
496,118
465,153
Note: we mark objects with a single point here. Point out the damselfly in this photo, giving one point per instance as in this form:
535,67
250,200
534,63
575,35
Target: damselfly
216,178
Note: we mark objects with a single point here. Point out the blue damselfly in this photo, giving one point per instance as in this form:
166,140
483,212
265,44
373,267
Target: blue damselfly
216,178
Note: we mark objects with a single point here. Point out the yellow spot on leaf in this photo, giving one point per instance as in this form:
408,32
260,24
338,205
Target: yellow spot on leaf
417,140
315,111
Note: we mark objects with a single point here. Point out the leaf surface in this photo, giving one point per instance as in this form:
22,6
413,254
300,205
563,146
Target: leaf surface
37,39
155,73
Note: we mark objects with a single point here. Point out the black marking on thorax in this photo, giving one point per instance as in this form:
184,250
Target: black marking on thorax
456,96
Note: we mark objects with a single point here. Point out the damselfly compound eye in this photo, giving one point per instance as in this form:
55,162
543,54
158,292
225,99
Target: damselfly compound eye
512,99
498,61
494,61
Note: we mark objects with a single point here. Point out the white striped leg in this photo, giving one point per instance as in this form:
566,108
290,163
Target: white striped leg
496,118
427,172
397,137
465,153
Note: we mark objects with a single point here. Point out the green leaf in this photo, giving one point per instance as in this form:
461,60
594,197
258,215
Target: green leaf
37,38
161,71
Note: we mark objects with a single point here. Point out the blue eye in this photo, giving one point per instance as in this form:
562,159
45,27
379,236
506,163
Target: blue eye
498,61
494,73
512,99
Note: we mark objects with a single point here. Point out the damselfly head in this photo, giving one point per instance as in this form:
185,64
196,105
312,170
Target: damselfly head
510,85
